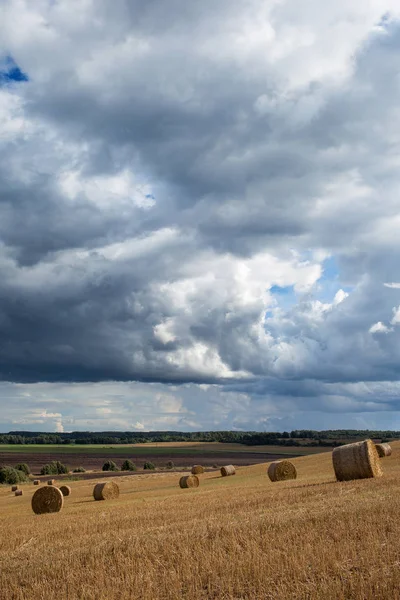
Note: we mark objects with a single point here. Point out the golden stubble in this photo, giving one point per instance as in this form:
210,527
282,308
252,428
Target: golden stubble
240,537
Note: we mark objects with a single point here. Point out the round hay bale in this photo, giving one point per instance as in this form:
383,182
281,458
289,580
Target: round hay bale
228,470
106,491
47,500
383,450
65,490
197,470
282,470
14,488
18,492
359,460
51,482
189,481
36,482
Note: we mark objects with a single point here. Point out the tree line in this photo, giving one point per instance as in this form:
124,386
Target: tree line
299,437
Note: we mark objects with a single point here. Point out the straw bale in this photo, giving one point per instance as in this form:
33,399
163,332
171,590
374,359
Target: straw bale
228,470
14,488
18,492
108,490
197,470
65,490
359,460
36,482
51,482
282,470
383,450
189,481
47,500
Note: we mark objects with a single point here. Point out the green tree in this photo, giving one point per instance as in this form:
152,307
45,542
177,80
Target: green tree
149,466
110,465
54,468
128,465
24,468
12,476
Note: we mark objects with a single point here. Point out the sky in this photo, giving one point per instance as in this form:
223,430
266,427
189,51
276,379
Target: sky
199,215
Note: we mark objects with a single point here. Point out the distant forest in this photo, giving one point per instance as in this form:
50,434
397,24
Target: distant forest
302,437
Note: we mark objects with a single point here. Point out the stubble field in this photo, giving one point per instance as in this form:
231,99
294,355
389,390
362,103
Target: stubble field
239,537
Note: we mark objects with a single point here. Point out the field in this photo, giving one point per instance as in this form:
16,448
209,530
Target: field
183,454
234,538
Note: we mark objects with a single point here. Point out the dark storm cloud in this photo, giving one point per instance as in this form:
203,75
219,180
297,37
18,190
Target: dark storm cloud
162,170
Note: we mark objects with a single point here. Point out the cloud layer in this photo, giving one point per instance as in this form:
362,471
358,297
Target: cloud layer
200,197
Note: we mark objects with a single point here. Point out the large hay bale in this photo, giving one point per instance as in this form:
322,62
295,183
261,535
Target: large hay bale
282,470
14,488
65,490
47,500
197,470
189,481
51,482
228,470
356,461
383,450
106,491
18,492
36,482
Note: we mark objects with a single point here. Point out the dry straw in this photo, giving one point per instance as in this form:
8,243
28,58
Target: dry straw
36,482
189,481
383,450
106,491
282,470
51,482
47,500
65,490
356,461
197,470
18,492
228,470
14,488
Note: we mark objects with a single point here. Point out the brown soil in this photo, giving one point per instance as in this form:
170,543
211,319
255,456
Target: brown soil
93,462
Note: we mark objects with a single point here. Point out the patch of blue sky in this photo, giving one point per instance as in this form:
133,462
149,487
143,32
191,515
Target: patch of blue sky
329,282
324,290
330,269
10,72
284,295
281,290
285,298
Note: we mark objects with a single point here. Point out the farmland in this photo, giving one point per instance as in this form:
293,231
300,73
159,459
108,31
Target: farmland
183,454
232,538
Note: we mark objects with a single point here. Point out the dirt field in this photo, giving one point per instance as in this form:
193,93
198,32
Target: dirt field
181,454
233,538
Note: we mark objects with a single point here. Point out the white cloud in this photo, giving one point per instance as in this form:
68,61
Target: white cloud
138,426
47,415
164,331
215,408
396,316
379,327
105,192
59,428
340,296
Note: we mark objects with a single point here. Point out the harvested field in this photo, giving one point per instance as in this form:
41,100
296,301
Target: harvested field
309,538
